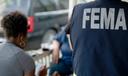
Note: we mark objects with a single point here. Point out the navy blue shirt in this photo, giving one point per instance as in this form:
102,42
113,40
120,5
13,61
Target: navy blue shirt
99,34
64,47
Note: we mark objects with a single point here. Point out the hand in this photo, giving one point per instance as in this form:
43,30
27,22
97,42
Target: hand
43,71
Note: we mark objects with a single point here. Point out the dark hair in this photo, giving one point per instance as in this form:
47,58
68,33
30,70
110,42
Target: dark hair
14,24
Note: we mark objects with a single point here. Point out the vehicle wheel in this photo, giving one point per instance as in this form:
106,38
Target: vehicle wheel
49,35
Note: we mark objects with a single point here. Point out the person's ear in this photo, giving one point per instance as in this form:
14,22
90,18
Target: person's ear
21,40
20,37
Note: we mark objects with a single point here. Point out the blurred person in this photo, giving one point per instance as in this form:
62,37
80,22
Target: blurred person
61,66
99,37
13,60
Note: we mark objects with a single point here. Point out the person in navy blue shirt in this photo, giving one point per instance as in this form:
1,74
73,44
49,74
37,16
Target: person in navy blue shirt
99,36
61,66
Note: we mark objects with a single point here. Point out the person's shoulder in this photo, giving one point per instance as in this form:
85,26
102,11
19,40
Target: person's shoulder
22,55
25,61
9,49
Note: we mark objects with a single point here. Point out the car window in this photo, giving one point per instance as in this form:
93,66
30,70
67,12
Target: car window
49,5
32,6
43,5
64,4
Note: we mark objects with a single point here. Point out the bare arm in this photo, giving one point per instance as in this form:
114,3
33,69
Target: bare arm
55,52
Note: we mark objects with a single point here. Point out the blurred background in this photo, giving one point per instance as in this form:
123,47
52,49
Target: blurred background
45,19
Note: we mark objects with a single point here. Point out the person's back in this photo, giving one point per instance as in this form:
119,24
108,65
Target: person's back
13,61
99,34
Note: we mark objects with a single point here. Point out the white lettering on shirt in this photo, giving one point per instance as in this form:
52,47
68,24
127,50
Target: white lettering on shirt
121,22
94,17
85,17
107,21
105,18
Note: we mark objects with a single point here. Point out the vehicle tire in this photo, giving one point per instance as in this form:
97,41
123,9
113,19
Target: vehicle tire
49,35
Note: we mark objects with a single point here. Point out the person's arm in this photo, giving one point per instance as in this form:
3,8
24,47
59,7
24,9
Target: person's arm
55,53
